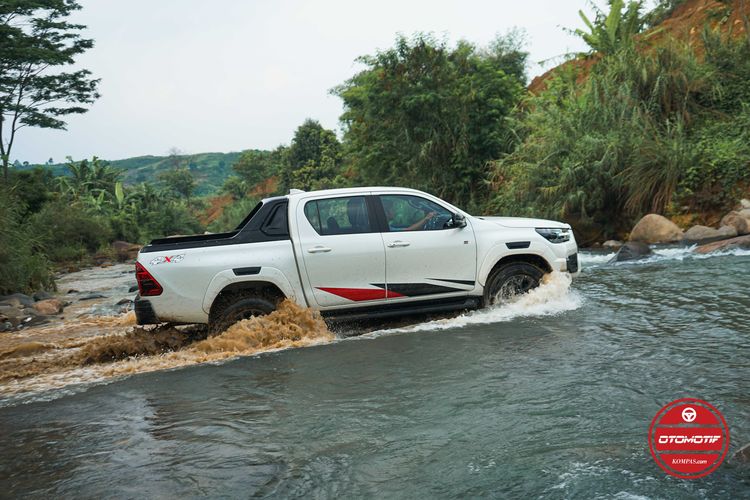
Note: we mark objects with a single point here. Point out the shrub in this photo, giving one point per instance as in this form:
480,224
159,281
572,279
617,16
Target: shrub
68,232
23,267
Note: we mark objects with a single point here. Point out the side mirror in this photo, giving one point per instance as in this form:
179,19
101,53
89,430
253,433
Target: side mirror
458,220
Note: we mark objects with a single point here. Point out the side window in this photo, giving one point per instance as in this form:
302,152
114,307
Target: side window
414,213
339,215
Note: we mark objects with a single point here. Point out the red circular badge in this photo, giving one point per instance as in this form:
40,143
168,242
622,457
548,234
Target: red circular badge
688,438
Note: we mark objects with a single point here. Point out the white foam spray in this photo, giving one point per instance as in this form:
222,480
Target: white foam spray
552,297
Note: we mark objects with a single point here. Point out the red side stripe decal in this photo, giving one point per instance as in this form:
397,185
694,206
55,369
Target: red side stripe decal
360,294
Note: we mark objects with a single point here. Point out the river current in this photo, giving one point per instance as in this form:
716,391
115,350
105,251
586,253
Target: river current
551,396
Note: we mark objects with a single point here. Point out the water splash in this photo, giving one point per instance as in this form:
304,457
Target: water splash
552,297
36,366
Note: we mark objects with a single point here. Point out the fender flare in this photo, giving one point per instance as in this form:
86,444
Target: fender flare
225,278
500,252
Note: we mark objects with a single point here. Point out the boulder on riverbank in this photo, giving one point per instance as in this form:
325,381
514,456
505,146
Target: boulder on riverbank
632,250
736,220
705,234
731,243
125,251
654,228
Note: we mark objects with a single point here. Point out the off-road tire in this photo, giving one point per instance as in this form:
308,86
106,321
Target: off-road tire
234,308
511,280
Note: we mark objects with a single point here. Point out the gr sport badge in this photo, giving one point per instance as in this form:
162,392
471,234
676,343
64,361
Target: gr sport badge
688,438
167,259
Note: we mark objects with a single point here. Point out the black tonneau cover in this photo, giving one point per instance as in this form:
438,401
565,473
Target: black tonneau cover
267,222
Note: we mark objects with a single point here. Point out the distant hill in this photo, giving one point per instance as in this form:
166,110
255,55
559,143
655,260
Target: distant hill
209,169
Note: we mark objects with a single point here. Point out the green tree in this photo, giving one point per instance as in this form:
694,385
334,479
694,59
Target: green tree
255,166
425,115
235,186
180,181
314,158
32,188
35,39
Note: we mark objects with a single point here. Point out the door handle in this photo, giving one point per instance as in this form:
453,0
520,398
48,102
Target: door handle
398,243
318,249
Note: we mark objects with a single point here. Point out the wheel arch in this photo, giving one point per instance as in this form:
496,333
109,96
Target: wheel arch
264,289
530,258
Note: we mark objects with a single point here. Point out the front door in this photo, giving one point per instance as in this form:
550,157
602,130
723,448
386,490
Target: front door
425,256
342,251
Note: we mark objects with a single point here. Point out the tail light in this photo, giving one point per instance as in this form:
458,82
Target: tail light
147,284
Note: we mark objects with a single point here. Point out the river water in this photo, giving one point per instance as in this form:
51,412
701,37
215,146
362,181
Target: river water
549,397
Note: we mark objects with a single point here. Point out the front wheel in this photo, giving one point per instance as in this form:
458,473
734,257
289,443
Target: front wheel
510,281
237,308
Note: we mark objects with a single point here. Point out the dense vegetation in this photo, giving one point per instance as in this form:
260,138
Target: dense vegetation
66,220
634,126
651,129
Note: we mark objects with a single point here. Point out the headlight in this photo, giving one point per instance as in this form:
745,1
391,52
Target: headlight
555,235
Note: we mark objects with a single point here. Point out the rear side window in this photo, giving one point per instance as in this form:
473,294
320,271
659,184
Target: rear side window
276,223
249,216
332,216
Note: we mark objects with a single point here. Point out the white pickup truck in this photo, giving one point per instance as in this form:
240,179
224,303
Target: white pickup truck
352,254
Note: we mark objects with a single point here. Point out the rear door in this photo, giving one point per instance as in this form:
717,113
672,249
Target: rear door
342,251
425,256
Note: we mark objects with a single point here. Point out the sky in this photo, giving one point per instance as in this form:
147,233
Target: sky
229,75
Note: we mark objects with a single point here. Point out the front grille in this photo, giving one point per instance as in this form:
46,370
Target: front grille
573,263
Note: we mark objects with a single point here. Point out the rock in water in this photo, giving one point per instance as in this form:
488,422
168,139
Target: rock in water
738,242
42,295
741,224
17,300
92,296
632,250
743,454
706,234
654,228
612,244
49,307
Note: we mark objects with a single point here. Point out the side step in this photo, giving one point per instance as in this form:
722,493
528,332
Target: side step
406,309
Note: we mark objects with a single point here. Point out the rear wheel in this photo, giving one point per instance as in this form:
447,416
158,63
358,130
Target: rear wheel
509,281
235,308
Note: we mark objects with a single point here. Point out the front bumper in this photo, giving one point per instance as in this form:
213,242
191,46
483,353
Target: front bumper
144,312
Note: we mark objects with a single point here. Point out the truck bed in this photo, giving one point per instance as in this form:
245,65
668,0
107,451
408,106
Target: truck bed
266,222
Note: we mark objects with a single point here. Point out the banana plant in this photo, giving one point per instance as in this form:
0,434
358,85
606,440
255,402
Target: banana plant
609,32
119,194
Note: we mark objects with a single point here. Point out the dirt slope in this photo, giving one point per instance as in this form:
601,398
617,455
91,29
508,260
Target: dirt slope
684,24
